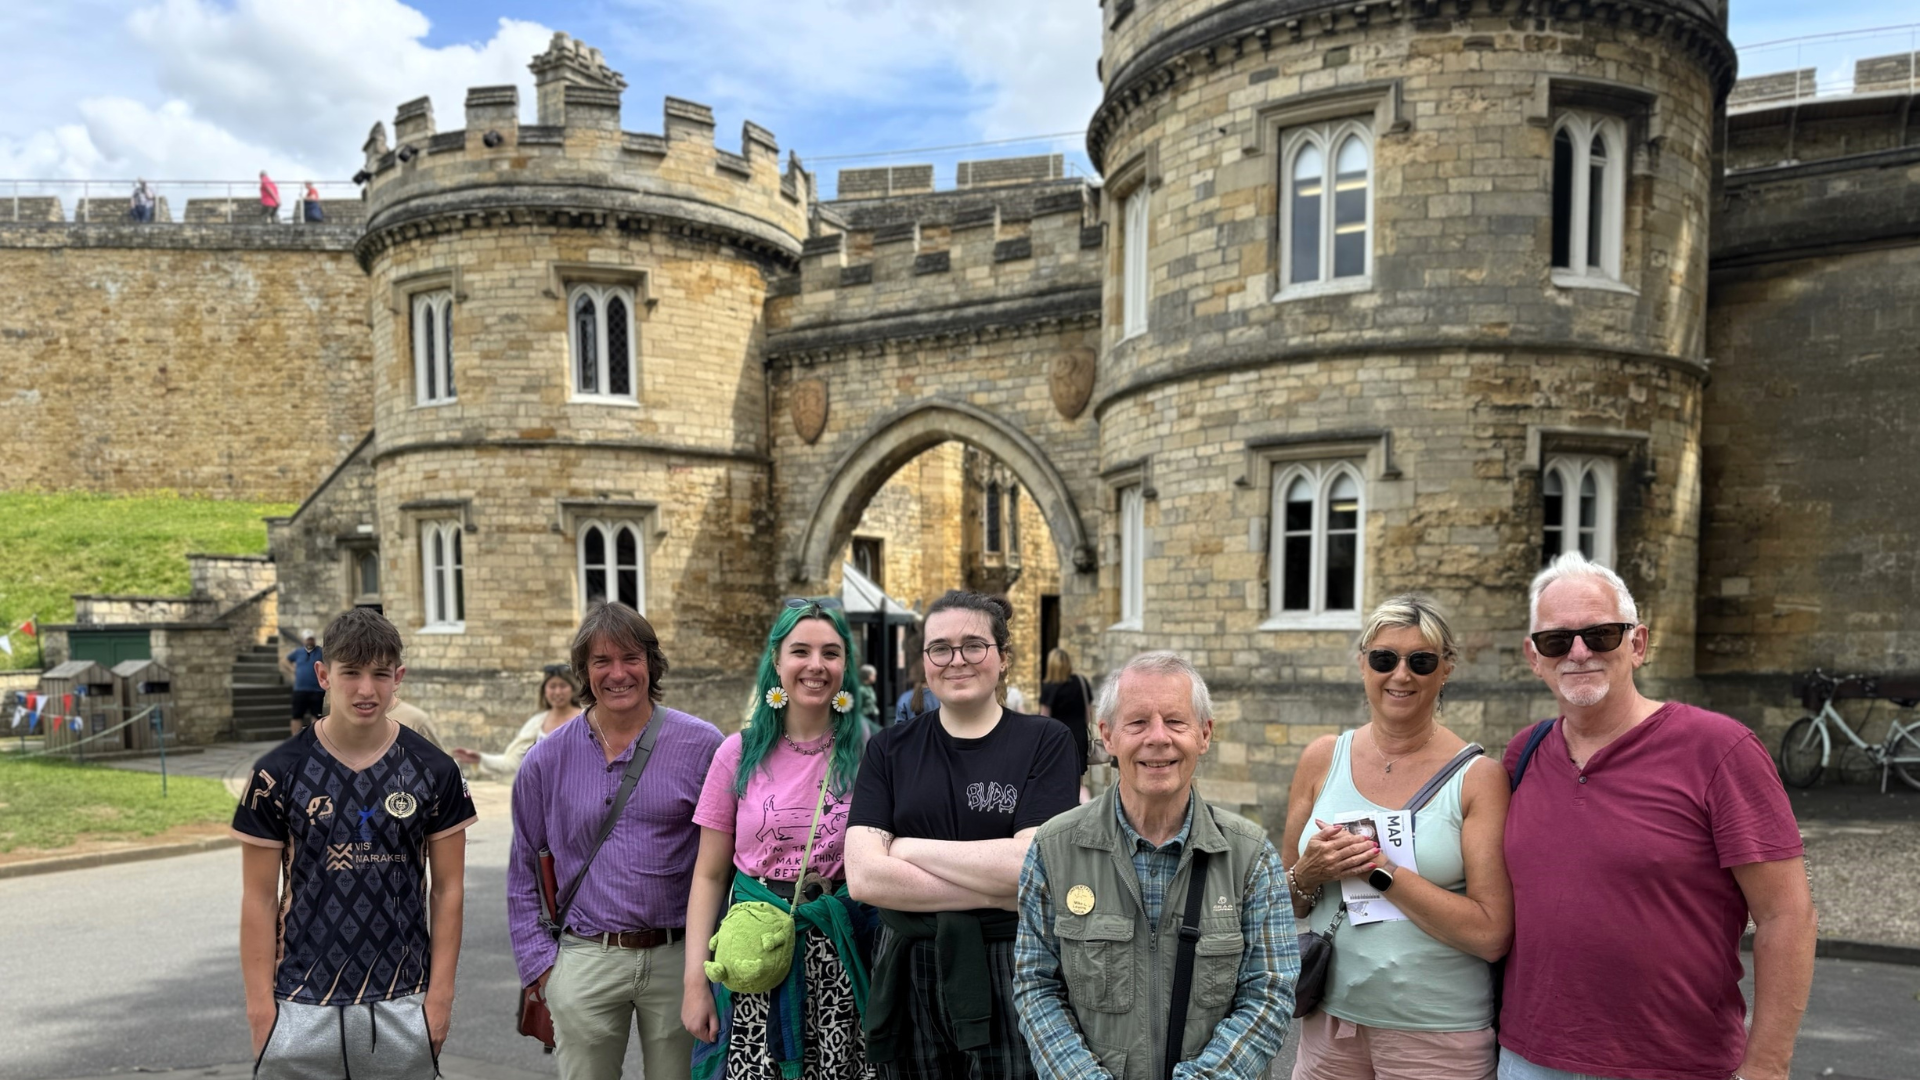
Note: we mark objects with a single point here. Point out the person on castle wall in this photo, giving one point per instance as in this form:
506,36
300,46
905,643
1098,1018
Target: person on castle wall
415,719
1412,993
1108,888
356,813
916,699
1642,837
269,198
560,701
310,207
773,826
610,958
944,809
309,699
142,204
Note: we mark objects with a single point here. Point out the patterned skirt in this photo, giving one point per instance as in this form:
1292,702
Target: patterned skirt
836,1046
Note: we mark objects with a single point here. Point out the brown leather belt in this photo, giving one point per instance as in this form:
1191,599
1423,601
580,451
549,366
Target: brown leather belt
635,939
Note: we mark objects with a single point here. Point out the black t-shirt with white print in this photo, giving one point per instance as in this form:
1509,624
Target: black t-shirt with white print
917,780
353,863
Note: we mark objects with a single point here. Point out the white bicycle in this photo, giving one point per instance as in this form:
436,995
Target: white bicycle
1807,747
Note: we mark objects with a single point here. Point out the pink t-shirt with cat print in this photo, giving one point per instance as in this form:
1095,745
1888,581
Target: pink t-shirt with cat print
769,822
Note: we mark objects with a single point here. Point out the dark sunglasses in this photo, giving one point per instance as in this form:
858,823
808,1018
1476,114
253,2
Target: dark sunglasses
1420,663
822,602
1603,637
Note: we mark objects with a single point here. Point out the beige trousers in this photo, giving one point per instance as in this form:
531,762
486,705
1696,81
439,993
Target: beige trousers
598,994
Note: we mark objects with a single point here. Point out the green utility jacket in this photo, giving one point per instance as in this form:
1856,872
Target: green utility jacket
1118,969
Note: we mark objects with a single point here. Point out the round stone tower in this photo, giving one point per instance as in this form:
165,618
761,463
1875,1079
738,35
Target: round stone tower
1400,295
569,405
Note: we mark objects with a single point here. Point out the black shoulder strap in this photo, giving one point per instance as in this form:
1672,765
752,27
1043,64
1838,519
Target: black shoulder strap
1526,752
642,753
1183,962
1439,780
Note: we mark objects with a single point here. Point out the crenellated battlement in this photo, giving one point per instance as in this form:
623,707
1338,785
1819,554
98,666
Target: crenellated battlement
964,266
578,165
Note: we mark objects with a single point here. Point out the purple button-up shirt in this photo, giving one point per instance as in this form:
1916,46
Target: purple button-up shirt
640,879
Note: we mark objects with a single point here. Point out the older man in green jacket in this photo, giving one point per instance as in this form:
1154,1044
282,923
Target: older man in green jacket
1105,892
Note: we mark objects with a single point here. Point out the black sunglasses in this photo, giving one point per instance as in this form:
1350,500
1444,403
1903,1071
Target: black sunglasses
823,602
1602,637
1420,663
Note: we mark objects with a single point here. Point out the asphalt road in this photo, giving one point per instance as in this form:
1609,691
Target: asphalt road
134,968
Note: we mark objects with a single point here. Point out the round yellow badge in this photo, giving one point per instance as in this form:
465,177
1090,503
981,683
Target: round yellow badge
402,804
1079,899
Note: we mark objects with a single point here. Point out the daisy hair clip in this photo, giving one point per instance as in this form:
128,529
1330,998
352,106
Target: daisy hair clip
776,697
842,701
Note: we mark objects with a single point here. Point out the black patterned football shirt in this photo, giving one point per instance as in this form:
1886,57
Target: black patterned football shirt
353,863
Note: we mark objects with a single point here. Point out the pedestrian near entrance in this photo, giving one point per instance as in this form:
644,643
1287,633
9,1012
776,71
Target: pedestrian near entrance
1408,996
1122,894
355,814
773,826
559,701
1641,837
943,811
309,697
1066,696
615,959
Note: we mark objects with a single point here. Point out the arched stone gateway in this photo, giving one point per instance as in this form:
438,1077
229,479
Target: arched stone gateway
893,440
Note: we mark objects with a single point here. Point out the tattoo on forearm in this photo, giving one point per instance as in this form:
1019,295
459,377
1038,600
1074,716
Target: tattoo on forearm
886,838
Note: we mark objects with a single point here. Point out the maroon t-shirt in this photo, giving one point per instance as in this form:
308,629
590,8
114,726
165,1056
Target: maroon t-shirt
1627,919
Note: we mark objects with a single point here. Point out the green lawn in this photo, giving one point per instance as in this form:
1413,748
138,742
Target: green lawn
47,804
52,546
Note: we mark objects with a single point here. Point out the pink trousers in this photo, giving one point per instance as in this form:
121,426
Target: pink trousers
1334,1049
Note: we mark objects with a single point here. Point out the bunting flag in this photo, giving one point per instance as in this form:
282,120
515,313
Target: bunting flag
19,715
27,627
6,644
66,704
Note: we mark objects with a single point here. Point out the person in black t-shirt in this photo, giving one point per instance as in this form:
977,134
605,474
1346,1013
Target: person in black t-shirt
1066,696
341,827
944,809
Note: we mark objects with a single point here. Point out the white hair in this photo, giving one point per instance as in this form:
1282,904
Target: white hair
1573,564
1163,662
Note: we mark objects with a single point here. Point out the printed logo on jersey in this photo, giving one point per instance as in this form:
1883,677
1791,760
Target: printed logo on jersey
264,790
366,830
992,798
339,856
402,805
319,807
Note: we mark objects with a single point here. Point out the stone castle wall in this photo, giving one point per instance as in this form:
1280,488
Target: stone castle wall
226,361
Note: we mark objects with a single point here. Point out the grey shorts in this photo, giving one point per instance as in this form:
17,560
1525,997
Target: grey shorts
382,1040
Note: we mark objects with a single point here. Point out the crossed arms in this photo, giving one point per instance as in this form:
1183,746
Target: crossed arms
907,873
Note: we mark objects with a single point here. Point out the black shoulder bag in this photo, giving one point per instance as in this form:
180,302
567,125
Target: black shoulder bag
1316,948
1499,973
1183,961
535,1019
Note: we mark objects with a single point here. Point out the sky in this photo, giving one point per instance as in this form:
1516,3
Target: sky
220,89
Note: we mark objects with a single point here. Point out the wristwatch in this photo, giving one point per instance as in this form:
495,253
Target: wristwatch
1380,878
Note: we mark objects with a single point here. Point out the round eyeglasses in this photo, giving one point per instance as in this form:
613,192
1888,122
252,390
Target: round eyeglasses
971,652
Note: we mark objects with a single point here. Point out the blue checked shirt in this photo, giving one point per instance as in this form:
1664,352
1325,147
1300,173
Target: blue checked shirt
1243,1044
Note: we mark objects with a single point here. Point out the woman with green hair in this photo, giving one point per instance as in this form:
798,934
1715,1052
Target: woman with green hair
783,779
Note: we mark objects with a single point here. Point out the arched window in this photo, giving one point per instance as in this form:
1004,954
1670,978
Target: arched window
433,347
1133,556
993,517
1577,508
1589,197
612,564
1013,518
1134,239
1315,542
1327,208
443,584
366,577
601,339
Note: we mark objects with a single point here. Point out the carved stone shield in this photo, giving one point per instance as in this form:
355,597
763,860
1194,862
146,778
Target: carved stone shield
810,408
1072,380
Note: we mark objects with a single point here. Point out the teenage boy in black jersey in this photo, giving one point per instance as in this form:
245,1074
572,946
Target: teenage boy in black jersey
343,827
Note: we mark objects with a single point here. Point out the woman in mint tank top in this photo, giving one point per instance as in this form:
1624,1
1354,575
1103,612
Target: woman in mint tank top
1410,995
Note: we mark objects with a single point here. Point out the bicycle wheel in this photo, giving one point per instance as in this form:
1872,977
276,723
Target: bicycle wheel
1907,745
1801,751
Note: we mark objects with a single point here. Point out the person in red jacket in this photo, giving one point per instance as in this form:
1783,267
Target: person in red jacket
269,198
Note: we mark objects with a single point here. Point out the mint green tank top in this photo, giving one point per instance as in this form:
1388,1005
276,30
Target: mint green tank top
1392,974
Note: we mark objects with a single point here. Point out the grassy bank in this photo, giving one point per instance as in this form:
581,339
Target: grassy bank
46,803
55,545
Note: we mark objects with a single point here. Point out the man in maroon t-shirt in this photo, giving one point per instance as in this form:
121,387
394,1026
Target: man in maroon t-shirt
1640,838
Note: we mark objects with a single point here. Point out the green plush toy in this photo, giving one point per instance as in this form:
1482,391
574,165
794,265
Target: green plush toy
752,949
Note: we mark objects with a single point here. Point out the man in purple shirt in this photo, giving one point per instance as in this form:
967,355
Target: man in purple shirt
620,956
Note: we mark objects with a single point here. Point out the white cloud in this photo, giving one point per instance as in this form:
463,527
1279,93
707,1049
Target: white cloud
263,84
